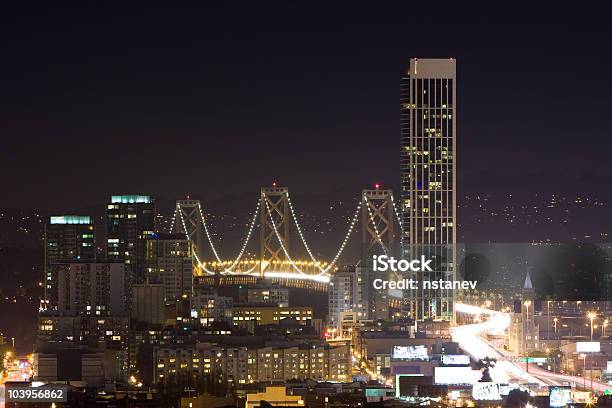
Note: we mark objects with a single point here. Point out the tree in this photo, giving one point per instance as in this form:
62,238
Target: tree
517,399
486,363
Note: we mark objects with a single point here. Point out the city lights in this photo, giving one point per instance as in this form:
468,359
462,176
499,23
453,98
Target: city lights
420,260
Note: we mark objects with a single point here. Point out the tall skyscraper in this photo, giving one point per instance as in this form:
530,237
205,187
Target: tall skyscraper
428,177
67,238
130,222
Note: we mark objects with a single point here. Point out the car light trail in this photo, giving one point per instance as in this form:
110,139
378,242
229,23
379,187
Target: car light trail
469,339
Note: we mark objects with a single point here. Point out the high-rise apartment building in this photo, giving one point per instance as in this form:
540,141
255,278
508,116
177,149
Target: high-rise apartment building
169,261
130,222
67,238
346,295
428,178
148,304
90,288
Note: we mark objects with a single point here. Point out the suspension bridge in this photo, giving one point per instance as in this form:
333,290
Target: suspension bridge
275,216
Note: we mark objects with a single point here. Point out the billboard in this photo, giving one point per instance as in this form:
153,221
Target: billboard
410,353
560,396
587,347
537,360
456,359
486,391
456,375
504,389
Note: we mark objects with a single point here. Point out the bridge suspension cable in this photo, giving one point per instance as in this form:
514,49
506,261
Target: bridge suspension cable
229,270
246,240
297,225
280,240
244,244
347,236
316,263
322,268
397,216
212,246
173,219
200,264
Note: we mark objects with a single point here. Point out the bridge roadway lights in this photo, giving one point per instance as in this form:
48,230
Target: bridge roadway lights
233,280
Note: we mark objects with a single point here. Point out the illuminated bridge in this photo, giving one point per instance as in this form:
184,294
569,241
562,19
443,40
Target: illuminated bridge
274,215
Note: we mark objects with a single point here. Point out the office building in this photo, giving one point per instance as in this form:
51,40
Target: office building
109,332
94,367
130,221
67,238
90,288
148,305
210,307
268,294
428,178
169,261
249,316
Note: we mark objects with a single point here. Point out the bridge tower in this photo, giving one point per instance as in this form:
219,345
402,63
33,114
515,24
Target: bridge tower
377,228
190,211
377,219
274,213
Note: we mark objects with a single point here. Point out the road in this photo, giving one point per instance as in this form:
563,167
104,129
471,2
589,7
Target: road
470,339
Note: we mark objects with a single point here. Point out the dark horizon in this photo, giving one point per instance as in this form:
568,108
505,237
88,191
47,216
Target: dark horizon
212,102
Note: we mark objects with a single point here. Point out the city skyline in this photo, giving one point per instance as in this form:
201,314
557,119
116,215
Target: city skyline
223,206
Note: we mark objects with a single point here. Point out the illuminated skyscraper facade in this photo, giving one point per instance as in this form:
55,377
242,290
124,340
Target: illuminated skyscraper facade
130,222
67,238
428,177
169,259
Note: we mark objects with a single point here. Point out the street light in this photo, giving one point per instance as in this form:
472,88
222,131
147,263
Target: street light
591,316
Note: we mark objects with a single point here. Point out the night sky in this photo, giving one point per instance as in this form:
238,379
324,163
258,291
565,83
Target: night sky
224,100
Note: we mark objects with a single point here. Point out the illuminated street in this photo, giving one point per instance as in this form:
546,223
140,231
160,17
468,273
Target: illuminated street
470,337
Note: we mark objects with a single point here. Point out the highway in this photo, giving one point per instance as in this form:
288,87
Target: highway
470,339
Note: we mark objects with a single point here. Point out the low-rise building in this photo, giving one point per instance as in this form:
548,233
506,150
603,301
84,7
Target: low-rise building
240,365
274,396
248,316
